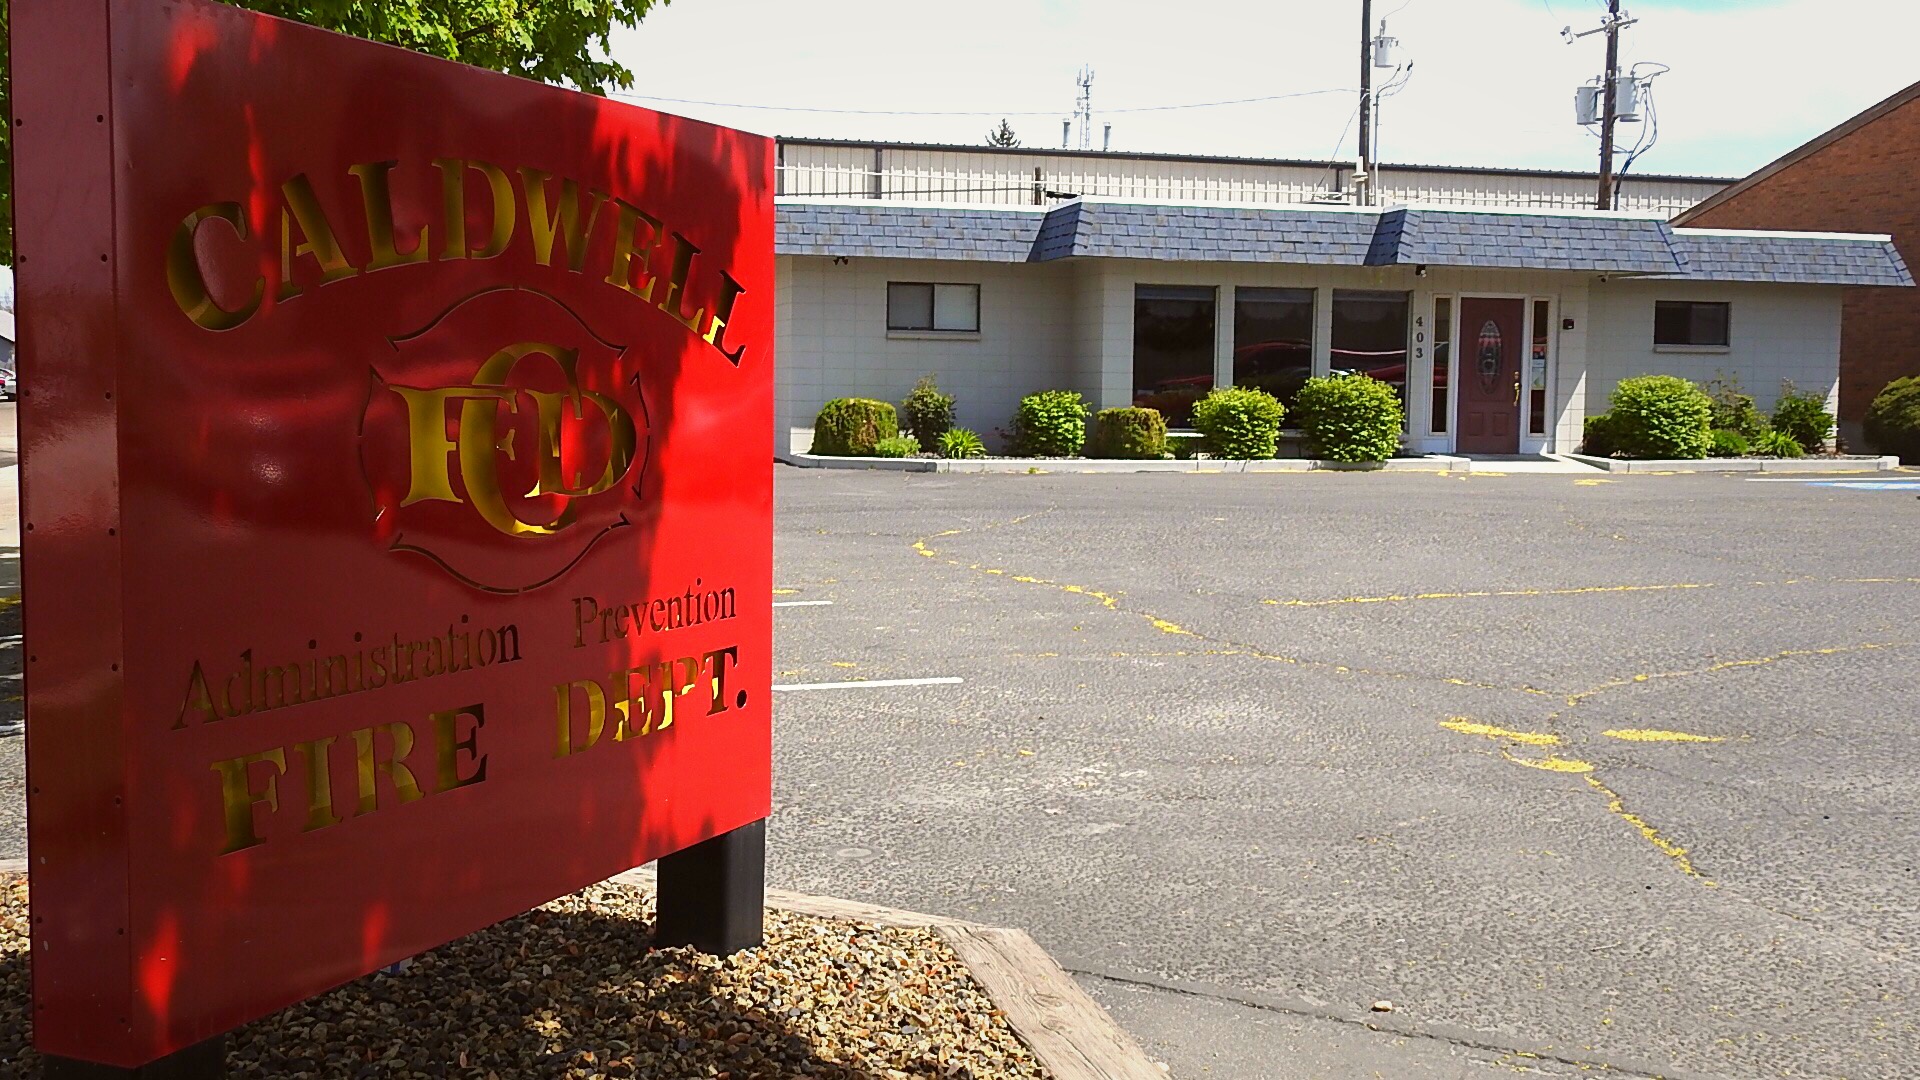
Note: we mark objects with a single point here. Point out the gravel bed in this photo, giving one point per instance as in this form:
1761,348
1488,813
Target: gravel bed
573,990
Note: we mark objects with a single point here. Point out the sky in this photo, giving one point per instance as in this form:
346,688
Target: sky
1491,84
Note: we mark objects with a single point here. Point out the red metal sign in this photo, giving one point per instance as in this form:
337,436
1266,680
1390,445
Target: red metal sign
397,500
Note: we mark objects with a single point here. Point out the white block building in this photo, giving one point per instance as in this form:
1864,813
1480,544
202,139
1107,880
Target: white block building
1503,328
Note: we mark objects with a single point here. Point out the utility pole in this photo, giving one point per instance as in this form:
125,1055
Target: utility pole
1611,99
1363,186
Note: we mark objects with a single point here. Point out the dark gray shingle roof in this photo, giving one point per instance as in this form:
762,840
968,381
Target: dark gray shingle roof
1223,234
1807,260
907,232
1530,242
1319,236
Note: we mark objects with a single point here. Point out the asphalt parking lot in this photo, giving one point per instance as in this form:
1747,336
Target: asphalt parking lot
1580,774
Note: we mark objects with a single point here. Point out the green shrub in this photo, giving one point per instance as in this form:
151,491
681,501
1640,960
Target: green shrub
1734,411
1135,434
1185,447
1600,436
1239,422
1051,423
852,427
927,413
1803,416
1777,443
960,443
1350,418
1728,443
1893,420
898,446
1660,416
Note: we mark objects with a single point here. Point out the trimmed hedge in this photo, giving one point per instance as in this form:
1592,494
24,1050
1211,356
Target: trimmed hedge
1051,423
1131,433
1351,418
1658,416
1803,416
1239,422
927,413
1893,420
852,427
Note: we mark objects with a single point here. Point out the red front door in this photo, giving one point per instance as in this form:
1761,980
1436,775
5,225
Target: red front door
1488,347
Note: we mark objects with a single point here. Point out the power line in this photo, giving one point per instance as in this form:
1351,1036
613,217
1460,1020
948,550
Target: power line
629,95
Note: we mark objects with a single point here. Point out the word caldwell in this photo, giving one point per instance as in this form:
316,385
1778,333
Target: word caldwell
557,222
397,514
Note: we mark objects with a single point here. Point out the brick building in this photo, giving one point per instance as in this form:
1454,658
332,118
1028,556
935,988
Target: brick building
1857,178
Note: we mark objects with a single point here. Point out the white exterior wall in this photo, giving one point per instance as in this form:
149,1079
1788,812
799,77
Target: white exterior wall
1776,332
982,177
1069,325
833,340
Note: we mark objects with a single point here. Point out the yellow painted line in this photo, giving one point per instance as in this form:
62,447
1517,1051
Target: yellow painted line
1397,598
8,601
1654,735
1729,665
1591,482
1671,850
1551,763
786,592
1467,726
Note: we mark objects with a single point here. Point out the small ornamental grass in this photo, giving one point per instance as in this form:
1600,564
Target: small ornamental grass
1776,443
1803,416
927,413
1657,417
899,446
1131,433
852,427
1051,423
1351,418
1239,422
1893,420
957,443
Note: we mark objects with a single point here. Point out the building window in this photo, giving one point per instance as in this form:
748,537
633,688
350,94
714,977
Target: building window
1370,336
1537,368
1691,323
1273,340
1173,333
933,308
1442,361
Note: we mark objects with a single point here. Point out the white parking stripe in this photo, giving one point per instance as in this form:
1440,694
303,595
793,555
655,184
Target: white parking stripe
868,684
803,603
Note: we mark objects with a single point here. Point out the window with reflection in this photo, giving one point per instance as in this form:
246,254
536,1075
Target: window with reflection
1273,340
1370,335
1173,335
1442,361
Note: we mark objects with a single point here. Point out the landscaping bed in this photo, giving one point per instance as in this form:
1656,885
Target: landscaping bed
573,990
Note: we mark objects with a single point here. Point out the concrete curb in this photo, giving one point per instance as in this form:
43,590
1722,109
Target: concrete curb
1071,1035
1432,463
1851,464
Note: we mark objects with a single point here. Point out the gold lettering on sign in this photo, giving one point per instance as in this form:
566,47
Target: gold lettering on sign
478,447
642,701
453,199
377,196
187,284
241,790
640,241
316,237
563,221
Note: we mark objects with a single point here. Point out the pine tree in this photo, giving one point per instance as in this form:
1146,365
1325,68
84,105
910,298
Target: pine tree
1004,136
